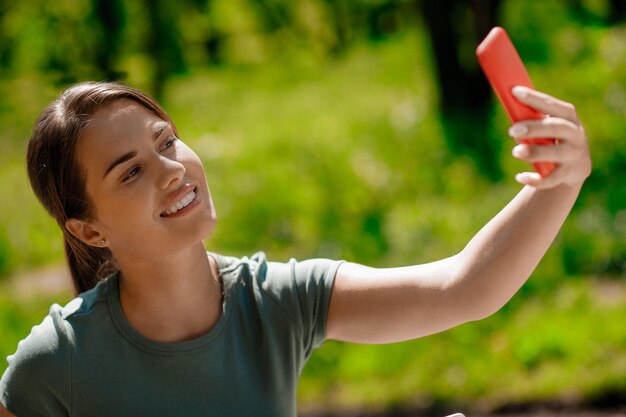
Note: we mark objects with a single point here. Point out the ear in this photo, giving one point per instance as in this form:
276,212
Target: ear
85,231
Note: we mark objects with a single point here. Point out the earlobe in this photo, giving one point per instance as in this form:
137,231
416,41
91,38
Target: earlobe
85,232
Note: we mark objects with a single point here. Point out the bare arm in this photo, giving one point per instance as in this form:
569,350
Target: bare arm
372,305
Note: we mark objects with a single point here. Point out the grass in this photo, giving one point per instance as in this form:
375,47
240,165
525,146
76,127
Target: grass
346,159
543,348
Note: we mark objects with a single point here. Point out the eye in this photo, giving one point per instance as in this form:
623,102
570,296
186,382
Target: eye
169,143
131,174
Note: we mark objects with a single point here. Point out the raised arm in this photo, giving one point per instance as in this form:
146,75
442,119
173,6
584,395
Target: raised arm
371,305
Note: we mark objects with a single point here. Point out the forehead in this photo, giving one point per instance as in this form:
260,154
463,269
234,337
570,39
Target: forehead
120,127
121,119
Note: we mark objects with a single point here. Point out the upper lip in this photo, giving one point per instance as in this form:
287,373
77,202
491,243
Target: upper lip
177,195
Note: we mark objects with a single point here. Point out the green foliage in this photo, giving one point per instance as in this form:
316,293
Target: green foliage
541,348
322,144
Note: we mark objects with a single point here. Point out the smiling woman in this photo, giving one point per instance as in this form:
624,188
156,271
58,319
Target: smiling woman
57,178
160,326
140,177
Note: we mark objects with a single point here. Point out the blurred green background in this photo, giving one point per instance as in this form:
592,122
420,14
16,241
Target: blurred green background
358,130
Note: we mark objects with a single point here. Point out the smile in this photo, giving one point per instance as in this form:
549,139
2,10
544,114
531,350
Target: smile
181,204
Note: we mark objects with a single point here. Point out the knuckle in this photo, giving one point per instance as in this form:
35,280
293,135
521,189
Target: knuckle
556,153
547,182
551,101
553,127
571,156
571,110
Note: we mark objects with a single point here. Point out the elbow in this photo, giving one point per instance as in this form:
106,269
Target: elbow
473,291
475,305
482,312
479,307
480,304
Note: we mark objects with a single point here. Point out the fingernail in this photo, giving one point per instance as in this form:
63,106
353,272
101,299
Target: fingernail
520,91
520,178
520,151
517,130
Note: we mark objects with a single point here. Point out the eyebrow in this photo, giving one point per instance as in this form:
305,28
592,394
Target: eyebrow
160,128
120,160
129,155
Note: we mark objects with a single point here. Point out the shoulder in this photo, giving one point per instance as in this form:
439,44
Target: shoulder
277,277
46,343
38,373
296,290
87,301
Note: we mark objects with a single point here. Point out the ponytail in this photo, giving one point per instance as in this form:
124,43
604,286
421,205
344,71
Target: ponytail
88,265
56,176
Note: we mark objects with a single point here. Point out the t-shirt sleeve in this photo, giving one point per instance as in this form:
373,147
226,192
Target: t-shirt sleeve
35,382
304,289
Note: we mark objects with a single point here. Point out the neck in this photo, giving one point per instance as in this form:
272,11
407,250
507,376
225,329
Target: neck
173,297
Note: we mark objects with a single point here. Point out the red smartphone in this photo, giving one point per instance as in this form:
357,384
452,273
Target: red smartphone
504,69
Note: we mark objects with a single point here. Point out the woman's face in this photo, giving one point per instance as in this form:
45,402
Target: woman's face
148,188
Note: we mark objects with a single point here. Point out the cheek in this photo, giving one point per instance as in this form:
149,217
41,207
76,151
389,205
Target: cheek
126,209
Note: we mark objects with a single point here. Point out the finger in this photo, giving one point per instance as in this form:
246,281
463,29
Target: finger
550,127
545,153
545,103
533,179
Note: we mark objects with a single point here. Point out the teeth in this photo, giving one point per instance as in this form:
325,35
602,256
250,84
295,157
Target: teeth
182,203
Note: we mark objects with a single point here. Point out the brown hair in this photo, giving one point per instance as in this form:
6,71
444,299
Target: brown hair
56,177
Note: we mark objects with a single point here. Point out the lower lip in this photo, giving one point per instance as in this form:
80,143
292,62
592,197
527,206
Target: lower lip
185,210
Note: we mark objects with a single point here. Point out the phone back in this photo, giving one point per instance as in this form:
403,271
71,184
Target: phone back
504,69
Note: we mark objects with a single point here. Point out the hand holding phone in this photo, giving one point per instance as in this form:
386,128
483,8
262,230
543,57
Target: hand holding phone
504,69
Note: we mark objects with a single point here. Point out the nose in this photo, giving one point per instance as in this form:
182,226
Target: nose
172,172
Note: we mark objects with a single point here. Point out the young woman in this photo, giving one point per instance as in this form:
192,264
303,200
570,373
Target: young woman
162,327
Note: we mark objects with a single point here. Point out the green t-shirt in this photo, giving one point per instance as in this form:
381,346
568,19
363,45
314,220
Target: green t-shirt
85,359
